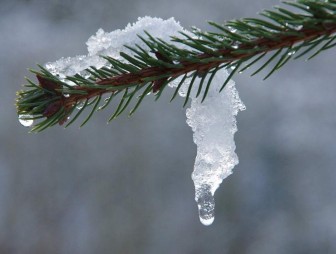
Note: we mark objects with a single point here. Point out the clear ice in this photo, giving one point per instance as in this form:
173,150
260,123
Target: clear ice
213,121
206,204
214,125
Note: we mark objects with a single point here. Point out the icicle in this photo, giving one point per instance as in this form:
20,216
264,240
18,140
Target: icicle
214,125
206,204
212,121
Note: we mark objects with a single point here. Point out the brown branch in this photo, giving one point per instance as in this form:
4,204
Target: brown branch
229,55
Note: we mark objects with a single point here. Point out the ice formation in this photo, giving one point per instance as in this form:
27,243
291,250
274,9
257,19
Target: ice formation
214,125
112,43
213,121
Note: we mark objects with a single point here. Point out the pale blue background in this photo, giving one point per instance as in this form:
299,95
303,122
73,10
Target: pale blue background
126,187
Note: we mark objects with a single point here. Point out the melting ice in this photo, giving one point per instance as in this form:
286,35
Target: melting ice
214,125
213,121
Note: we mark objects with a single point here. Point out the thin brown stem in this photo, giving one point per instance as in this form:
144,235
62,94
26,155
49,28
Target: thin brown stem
229,56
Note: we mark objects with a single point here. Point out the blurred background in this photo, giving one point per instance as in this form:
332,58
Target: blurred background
126,187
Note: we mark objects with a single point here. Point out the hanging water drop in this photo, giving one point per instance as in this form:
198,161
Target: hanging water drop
232,30
79,106
292,52
26,120
294,26
298,27
85,74
206,204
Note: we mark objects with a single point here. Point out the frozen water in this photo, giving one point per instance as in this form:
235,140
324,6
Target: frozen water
112,43
213,121
206,204
214,125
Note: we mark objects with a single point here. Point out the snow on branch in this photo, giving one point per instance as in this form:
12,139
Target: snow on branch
152,54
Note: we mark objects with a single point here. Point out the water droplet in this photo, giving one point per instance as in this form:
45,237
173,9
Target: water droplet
25,120
294,26
85,74
232,30
292,52
206,205
298,27
80,105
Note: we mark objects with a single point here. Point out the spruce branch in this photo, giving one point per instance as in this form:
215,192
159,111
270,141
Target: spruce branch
236,45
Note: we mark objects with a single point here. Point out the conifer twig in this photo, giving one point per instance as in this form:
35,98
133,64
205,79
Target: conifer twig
238,44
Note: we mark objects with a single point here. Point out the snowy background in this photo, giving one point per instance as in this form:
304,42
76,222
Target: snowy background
126,187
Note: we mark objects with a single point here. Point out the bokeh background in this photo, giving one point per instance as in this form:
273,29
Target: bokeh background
125,187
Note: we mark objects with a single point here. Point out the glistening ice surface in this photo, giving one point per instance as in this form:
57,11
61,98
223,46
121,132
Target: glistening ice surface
112,43
213,121
214,125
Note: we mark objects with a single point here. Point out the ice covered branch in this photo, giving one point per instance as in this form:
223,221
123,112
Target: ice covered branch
134,70
146,57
